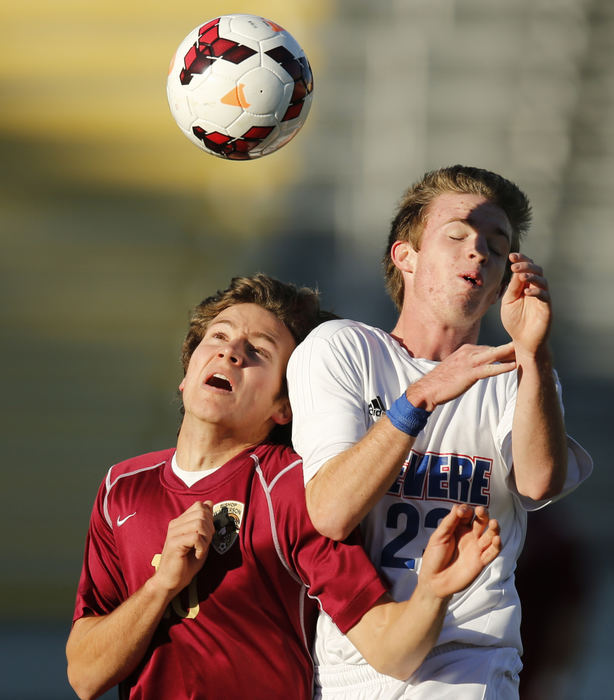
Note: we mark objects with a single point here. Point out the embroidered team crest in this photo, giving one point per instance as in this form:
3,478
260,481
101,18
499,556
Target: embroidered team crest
227,517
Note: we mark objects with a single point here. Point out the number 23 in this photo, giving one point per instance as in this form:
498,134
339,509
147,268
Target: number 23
411,530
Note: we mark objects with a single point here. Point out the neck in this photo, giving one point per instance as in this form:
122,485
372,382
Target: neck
207,446
430,338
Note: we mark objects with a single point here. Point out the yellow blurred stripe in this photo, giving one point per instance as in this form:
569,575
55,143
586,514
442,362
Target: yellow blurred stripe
95,73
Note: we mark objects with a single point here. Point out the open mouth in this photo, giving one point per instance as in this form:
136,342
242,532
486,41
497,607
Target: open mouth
474,280
219,381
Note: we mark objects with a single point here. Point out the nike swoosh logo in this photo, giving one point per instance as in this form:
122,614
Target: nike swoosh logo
121,521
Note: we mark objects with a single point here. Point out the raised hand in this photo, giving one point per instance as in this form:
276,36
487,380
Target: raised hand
186,547
459,371
526,312
463,544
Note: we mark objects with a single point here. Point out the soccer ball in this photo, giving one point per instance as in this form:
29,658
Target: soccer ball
239,87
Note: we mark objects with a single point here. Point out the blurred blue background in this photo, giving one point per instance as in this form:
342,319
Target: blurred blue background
113,226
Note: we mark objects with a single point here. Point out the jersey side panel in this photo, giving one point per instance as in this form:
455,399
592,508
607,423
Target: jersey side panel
338,575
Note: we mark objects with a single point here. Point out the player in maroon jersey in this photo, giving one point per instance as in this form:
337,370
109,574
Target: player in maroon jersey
203,574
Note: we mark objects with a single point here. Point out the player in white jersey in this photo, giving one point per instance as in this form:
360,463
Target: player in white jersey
395,428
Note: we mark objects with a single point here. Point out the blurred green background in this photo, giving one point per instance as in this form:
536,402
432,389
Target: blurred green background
113,226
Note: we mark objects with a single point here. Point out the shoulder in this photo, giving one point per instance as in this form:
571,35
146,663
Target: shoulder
344,328
126,480
139,465
276,463
343,337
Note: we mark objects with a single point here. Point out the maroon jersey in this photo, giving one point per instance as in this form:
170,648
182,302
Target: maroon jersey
244,626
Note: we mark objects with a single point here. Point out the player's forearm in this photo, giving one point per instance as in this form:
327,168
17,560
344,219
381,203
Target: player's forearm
395,638
539,441
102,651
347,487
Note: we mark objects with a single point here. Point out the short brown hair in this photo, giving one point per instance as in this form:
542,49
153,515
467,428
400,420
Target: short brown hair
298,308
412,214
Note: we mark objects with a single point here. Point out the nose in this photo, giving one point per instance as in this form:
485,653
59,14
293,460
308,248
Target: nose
478,248
232,353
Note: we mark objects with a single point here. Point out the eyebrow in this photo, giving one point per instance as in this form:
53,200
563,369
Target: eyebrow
257,334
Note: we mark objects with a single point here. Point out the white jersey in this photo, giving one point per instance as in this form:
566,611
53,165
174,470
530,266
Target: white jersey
342,378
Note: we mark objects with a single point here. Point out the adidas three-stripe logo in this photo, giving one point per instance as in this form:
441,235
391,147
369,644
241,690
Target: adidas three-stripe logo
376,407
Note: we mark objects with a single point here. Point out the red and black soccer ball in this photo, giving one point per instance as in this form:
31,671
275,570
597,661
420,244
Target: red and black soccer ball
239,87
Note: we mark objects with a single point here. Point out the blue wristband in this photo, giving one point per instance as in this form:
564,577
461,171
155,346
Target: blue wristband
406,417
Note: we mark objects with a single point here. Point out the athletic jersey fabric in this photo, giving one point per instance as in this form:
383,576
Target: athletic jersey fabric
341,380
245,625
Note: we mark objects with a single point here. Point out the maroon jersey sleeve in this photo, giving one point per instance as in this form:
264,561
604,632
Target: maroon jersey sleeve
101,586
339,575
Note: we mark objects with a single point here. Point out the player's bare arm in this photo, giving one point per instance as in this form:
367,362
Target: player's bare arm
396,637
539,443
103,650
347,487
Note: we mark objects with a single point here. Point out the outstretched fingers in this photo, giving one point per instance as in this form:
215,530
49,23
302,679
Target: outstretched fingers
492,551
450,523
488,535
456,522
459,371
497,359
465,542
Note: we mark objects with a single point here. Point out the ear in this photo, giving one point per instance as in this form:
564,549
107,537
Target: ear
403,256
282,414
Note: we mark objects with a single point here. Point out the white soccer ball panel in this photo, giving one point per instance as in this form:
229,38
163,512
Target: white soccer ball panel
261,92
247,121
180,108
216,100
250,27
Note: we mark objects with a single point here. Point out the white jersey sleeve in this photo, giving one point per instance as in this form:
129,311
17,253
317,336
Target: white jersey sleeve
325,382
